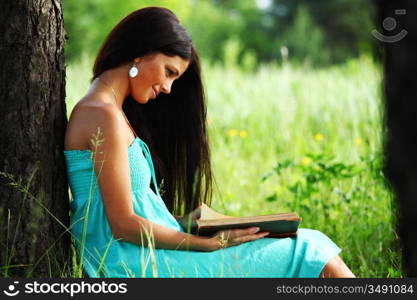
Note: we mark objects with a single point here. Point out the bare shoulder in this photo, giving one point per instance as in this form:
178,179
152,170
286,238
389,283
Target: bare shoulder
90,121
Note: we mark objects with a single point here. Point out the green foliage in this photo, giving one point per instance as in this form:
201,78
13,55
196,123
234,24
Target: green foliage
305,40
316,32
211,27
87,23
249,61
231,52
340,27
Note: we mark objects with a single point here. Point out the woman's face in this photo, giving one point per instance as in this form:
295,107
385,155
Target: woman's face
157,73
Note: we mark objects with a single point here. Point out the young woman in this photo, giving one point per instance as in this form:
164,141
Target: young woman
145,108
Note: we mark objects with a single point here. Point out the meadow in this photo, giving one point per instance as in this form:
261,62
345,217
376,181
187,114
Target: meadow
294,138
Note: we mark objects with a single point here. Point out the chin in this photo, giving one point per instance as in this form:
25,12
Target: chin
141,100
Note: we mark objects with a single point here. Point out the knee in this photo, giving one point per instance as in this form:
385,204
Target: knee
336,268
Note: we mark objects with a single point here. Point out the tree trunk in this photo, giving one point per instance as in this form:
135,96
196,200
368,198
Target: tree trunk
400,63
33,184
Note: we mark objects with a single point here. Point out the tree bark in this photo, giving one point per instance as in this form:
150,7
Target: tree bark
400,91
33,183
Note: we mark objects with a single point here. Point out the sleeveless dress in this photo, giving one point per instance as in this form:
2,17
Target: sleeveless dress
103,256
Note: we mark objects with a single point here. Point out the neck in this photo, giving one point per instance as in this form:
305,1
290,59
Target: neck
114,80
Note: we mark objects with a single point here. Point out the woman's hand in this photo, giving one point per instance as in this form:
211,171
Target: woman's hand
195,214
188,218
233,237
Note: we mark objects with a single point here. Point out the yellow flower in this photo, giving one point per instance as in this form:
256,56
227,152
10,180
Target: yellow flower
358,141
306,161
232,132
243,134
318,137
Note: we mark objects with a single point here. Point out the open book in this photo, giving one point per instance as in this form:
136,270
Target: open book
210,221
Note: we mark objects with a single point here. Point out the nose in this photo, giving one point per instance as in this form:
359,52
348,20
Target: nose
166,87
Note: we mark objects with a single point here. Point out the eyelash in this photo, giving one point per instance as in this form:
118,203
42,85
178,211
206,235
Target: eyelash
169,72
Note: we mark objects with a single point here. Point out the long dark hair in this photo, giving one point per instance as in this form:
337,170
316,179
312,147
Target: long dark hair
174,125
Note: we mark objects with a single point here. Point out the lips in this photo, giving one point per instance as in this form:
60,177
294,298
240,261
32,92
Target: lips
155,93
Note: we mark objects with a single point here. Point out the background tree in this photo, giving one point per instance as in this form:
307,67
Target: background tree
33,185
400,63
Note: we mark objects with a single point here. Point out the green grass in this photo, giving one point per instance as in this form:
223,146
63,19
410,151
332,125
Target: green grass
299,139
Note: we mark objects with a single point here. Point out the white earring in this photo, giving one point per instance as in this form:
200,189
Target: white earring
133,72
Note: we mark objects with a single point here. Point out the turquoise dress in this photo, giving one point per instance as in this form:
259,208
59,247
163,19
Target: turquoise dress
104,256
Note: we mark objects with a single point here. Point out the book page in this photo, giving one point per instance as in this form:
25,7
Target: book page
208,214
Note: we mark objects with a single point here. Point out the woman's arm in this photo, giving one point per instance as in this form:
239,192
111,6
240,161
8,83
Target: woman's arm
113,173
136,230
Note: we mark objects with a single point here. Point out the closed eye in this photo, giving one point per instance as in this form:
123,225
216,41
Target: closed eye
169,72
